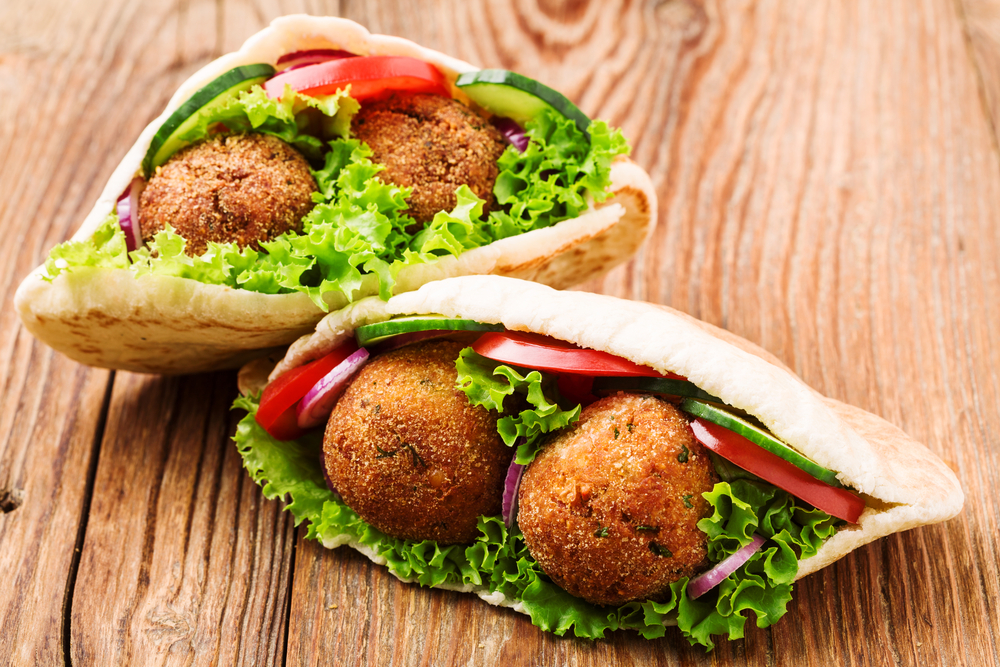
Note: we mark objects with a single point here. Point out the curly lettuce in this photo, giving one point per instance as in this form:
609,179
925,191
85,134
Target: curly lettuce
487,383
499,560
105,249
359,226
553,178
286,118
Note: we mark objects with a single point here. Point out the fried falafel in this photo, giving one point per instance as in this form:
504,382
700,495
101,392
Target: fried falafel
431,144
610,507
245,188
410,454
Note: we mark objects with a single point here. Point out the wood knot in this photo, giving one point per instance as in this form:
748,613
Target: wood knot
688,17
10,499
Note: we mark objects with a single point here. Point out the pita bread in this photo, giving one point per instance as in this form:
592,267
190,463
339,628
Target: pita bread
903,483
159,324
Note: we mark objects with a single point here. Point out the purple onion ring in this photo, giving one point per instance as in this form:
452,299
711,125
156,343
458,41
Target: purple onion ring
510,487
128,213
298,59
708,580
512,132
316,406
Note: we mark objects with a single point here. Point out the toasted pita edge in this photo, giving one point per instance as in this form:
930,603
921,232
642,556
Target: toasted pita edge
163,324
904,483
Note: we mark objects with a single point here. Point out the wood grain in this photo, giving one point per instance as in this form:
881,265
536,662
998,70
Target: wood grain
51,411
981,19
828,178
183,558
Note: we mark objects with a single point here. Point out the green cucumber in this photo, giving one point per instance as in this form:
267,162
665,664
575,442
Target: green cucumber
370,334
167,139
648,385
760,437
517,97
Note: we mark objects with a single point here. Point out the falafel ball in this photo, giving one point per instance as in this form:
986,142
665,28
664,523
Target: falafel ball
609,509
432,144
245,188
410,454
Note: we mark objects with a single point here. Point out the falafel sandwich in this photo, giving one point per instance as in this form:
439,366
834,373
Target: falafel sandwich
318,165
594,463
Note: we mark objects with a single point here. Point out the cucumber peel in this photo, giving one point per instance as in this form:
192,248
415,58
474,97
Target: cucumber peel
220,90
650,385
370,334
517,97
759,437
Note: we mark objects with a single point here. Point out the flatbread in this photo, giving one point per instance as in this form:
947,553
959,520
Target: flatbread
160,324
904,484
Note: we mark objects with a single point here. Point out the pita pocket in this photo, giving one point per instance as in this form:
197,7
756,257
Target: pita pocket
892,482
165,312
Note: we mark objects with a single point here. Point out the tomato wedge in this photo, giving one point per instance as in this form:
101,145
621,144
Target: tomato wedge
370,77
556,356
276,413
772,468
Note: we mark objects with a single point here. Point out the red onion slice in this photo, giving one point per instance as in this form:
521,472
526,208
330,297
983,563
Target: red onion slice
706,581
298,59
510,487
316,406
128,213
512,132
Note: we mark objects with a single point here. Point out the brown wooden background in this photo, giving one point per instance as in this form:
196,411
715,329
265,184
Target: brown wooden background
829,183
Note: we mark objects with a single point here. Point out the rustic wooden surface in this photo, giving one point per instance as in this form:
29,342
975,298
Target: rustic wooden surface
829,184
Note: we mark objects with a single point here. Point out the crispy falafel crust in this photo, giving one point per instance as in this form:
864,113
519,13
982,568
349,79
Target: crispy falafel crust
432,144
245,188
410,454
610,507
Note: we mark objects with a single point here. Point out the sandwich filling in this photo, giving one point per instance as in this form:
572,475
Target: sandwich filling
617,510
317,188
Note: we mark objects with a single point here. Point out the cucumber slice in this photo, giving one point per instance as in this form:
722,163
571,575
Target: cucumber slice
760,437
167,140
370,334
515,96
647,385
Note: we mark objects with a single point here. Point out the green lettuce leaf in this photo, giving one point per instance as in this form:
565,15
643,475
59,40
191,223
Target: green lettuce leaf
288,470
253,111
500,561
488,383
556,176
105,249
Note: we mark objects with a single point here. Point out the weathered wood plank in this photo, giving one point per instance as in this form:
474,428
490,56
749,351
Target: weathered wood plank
50,415
183,558
50,408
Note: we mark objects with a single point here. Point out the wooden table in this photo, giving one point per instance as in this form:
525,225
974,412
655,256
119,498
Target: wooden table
829,183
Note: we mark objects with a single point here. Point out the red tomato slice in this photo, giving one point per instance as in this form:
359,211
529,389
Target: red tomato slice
285,426
276,413
556,356
369,77
772,468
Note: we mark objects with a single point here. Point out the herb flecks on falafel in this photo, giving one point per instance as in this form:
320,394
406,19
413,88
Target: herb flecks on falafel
609,510
410,454
245,188
432,145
